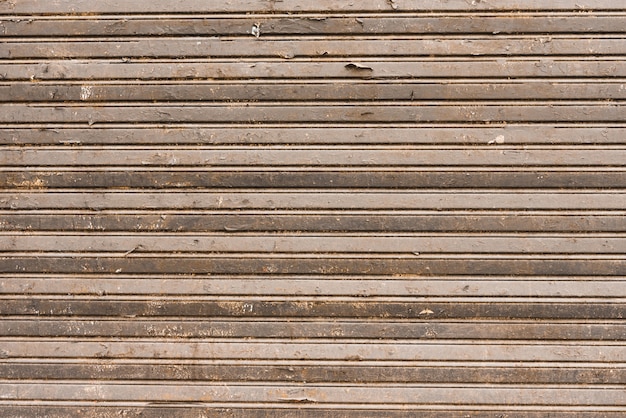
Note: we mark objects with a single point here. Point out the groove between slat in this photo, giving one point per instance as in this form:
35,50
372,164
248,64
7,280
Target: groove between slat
299,306
472,346
311,277
321,15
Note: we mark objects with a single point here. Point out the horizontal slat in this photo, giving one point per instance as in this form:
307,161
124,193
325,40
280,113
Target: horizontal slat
308,371
339,330
326,24
411,112
328,157
306,243
312,264
243,221
339,91
191,410
365,68
292,6
375,178
234,394
311,135
318,199
469,286
407,350
579,308
203,47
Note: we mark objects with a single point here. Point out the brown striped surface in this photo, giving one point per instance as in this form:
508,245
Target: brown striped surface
313,209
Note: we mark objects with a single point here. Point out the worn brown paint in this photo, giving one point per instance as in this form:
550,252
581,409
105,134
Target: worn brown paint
313,209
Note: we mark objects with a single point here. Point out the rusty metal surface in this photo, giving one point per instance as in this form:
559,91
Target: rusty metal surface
312,209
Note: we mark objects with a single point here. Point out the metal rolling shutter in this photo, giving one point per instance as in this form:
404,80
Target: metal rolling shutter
298,208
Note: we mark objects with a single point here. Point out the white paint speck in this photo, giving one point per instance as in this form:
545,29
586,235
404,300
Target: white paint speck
498,140
85,92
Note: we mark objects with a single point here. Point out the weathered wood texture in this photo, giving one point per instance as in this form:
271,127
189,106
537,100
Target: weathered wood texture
312,208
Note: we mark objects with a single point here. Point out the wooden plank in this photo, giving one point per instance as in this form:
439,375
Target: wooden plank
255,68
318,199
192,410
293,6
213,47
242,221
410,112
308,371
312,329
326,24
375,178
317,285
272,156
347,264
329,350
338,91
519,134
470,308
357,394
307,243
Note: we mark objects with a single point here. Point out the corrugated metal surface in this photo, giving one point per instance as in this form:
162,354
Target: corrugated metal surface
297,208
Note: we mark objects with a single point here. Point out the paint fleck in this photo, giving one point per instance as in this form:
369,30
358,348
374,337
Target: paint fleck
86,92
